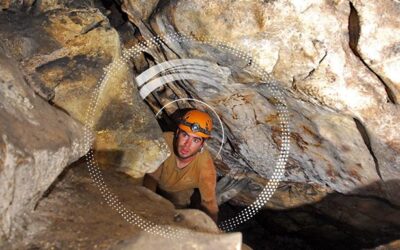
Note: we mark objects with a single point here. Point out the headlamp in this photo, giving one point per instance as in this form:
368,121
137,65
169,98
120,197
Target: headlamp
195,127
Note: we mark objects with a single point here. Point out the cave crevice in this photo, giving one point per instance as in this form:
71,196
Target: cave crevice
367,141
354,37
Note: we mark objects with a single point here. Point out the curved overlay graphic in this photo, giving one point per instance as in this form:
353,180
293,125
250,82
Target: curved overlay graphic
186,69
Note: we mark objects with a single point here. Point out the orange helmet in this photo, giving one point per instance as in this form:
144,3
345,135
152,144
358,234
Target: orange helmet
197,122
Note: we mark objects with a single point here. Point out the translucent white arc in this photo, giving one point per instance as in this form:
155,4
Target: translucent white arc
156,69
219,120
199,69
213,75
158,82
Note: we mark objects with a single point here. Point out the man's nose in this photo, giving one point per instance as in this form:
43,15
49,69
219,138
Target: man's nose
186,142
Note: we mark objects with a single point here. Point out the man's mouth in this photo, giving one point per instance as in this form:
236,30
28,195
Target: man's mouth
184,151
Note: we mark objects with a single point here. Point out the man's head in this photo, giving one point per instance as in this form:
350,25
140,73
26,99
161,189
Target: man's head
194,128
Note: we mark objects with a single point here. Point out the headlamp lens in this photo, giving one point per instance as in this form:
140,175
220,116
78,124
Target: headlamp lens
195,127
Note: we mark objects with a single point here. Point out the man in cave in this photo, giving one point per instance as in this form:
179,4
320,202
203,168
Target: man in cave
189,166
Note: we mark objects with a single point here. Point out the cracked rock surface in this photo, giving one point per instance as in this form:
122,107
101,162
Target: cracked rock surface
37,142
344,122
63,53
344,132
75,216
378,42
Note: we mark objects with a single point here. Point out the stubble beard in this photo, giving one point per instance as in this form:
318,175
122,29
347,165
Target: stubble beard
177,153
185,157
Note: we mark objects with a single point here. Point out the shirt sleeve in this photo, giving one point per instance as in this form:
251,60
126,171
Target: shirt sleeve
207,187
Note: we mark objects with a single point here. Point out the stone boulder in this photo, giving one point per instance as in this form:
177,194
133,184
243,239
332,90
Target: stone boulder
87,222
147,241
377,41
37,142
42,6
139,9
64,54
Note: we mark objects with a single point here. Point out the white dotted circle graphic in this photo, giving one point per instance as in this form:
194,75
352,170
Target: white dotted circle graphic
168,231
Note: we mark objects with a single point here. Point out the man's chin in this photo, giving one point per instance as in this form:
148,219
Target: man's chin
184,157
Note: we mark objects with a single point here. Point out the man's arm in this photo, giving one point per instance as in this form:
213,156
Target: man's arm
207,186
150,180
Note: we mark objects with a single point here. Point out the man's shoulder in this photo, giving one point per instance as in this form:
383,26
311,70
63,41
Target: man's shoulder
206,153
205,158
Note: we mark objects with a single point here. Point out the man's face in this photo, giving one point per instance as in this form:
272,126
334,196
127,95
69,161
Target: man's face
187,144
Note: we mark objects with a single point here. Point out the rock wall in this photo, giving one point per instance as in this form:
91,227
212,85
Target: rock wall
37,142
344,121
63,51
56,55
336,63
74,216
378,45
344,115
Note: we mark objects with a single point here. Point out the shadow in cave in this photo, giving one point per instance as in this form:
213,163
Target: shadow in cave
337,221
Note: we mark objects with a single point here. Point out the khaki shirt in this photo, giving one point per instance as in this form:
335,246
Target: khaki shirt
200,173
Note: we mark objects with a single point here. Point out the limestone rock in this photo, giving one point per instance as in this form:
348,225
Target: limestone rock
391,246
42,6
37,142
292,42
196,241
88,222
195,219
321,153
327,148
139,9
378,47
378,43
64,53
346,221
12,4
344,136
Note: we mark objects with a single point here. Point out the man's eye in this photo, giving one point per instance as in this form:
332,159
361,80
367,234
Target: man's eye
196,140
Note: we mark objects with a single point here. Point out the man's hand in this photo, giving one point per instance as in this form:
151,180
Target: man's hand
211,209
214,217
